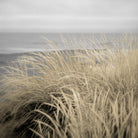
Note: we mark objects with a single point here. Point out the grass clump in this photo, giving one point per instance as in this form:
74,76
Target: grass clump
71,94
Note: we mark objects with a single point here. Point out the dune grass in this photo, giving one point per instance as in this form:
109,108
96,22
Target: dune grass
79,94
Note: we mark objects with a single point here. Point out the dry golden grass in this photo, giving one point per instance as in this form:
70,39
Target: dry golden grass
60,94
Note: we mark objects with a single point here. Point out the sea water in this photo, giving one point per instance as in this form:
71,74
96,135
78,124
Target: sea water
26,42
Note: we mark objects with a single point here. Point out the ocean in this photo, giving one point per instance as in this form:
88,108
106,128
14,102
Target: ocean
26,42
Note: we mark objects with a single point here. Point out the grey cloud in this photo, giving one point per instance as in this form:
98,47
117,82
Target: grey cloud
78,7
71,24
17,14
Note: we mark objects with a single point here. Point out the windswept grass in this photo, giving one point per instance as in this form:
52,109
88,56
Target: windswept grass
77,94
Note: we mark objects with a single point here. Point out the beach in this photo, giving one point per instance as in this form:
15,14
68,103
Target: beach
68,69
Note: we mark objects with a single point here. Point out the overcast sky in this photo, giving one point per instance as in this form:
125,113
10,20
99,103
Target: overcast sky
69,15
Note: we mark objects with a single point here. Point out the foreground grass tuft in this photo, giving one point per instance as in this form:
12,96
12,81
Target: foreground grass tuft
76,94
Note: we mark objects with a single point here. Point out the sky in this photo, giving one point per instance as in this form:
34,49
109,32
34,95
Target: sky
69,15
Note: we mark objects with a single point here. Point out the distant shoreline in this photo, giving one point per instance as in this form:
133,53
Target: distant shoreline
6,59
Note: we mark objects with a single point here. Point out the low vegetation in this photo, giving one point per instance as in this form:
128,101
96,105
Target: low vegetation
71,94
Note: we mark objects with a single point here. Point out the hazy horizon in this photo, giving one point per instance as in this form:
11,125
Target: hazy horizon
74,16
